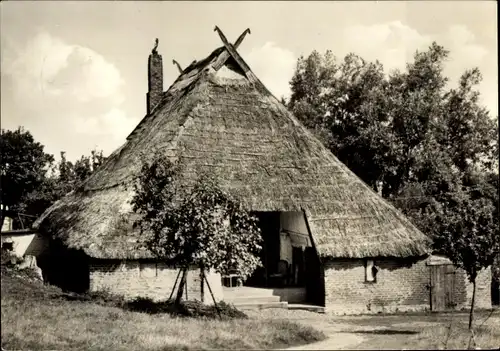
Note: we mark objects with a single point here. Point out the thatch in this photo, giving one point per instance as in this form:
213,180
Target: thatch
234,127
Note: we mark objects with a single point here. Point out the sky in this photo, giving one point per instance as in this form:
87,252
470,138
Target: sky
75,73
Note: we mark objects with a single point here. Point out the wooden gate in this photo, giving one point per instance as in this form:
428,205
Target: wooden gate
442,287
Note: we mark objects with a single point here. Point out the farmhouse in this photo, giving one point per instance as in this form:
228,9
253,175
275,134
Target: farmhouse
329,239
22,245
22,242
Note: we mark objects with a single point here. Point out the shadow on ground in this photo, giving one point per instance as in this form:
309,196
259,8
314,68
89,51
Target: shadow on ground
385,332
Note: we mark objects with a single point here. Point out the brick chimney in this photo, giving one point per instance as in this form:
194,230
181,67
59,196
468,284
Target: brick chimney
155,79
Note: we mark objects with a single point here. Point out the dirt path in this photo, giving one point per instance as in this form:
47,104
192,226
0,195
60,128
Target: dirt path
358,333
340,336
367,332
335,341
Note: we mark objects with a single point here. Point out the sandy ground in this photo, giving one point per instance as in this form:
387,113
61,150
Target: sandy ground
337,332
358,332
337,341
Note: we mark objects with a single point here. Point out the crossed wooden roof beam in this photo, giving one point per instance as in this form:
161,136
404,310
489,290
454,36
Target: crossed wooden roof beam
229,52
230,49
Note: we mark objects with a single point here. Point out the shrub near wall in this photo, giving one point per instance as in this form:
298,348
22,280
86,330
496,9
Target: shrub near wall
149,279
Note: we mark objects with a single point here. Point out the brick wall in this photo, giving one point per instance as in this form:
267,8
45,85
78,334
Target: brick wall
155,81
149,279
400,286
483,290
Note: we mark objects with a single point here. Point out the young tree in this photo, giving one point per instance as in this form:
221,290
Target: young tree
201,225
469,235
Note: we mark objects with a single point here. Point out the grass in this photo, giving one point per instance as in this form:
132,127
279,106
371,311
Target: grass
486,337
40,317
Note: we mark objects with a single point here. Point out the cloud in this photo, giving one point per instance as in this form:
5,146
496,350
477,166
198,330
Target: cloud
100,125
40,60
464,52
87,75
395,43
69,87
49,65
274,66
392,43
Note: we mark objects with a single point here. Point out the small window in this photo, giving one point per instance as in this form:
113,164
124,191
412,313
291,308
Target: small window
370,272
8,246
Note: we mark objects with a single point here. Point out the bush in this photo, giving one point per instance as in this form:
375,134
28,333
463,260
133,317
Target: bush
13,265
29,274
194,309
105,298
26,274
8,258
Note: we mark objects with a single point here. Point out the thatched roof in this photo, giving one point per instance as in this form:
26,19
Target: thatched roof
218,116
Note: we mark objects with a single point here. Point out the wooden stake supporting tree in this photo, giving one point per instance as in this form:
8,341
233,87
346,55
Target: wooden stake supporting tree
204,279
199,226
175,284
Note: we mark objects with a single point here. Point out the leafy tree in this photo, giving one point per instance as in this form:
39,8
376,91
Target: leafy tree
403,133
38,200
23,167
31,181
62,178
71,176
200,225
431,150
384,126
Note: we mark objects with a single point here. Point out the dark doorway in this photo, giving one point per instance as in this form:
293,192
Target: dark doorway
269,224
495,292
314,280
65,268
303,274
